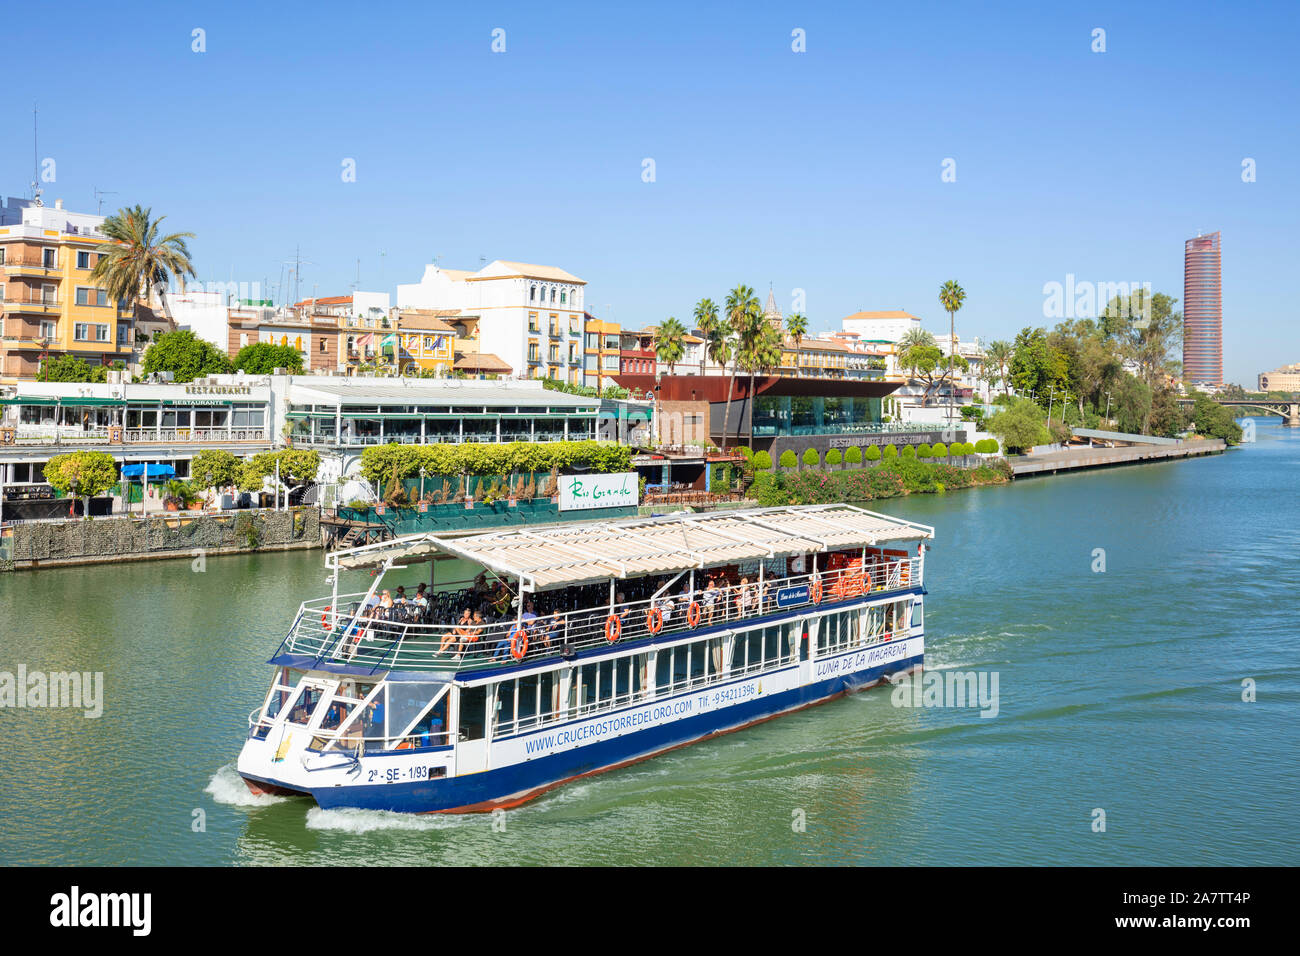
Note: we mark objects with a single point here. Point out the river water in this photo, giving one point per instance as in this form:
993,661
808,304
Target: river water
1119,690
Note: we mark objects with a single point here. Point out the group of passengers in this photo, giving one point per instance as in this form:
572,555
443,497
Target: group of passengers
483,620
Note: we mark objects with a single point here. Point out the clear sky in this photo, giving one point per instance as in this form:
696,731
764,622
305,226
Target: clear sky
818,170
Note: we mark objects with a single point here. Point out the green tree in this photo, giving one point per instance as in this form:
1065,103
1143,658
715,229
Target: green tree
81,474
1214,420
762,461
789,459
263,358
833,457
141,259
1020,425
853,456
710,326
742,312
811,457
924,451
1037,367
873,453
215,468
65,368
185,355
951,297
997,364
670,343
797,325
889,452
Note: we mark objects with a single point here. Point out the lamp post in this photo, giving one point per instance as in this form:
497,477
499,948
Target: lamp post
1049,406
1108,407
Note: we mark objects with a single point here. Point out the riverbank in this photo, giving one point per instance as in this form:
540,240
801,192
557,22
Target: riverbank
39,544
1074,459
891,479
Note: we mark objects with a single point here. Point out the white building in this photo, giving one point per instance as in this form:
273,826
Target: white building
530,316
203,313
880,327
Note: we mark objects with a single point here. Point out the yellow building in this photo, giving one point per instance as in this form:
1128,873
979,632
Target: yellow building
601,352
48,305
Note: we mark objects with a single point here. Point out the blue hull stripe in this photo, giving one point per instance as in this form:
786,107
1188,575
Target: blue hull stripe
495,786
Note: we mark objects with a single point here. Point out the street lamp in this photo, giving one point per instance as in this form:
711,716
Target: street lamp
1049,406
1108,407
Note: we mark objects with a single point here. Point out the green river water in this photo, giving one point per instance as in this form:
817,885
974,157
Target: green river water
1119,690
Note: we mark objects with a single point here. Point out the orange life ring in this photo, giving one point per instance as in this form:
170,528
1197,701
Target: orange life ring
613,628
519,643
857,583
817,591
405,745
866,583
693,614
324,618
654,620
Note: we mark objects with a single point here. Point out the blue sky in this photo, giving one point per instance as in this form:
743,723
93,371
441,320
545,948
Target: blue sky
817,171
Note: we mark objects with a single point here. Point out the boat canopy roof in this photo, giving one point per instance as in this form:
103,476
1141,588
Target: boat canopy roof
551,556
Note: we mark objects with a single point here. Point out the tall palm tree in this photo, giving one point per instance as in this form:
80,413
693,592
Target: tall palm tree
670,343
743,312
141,259
951,296
706,320
797,325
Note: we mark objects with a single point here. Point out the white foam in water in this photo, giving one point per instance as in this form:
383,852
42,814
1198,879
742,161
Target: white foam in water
228,787
350,820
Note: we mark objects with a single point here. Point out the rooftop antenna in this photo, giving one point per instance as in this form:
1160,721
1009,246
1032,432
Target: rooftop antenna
99,197
36,163
297,262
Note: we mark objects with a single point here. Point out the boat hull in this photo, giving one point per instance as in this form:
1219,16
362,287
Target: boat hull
514,784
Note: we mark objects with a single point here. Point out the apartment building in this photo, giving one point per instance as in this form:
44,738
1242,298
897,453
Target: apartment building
48,304
530,316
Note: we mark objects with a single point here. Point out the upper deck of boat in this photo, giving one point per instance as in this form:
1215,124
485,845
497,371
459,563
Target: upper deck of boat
337,634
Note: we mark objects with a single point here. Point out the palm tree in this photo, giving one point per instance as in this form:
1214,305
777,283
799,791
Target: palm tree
797,325
997,363
140,260
951,296
757,350
741,306
670,345
706,320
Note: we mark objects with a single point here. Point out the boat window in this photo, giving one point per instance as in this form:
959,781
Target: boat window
309,697
473,703
918,614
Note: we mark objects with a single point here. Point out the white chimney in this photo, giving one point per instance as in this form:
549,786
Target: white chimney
58,204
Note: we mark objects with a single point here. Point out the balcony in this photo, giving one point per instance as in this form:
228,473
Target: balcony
29,265
17,299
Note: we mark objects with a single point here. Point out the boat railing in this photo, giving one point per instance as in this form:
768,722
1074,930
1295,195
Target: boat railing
345,740
340,635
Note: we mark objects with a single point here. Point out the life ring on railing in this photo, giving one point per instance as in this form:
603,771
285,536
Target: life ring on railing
817,591
654,620
405,745
613,628
857,583
519,643
324,618
693,614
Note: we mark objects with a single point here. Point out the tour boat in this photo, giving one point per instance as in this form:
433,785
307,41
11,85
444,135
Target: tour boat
604,643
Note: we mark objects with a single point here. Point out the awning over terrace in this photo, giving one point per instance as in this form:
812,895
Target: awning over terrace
549,556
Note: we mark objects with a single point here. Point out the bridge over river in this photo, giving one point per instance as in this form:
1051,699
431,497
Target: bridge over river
1287,409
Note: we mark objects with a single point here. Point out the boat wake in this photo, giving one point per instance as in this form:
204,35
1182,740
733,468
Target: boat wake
228,787
352,820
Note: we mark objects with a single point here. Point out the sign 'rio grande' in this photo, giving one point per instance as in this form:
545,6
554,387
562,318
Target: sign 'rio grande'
598,491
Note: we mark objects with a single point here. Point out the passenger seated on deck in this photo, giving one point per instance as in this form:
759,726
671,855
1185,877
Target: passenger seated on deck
458,633
472,633
744,597
400,597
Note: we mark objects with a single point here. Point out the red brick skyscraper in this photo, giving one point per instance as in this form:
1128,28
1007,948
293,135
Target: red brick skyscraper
1202,312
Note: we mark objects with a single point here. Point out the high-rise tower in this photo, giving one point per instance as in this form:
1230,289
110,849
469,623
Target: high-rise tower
1202,312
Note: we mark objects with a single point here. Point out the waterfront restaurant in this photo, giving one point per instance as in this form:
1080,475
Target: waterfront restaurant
787,412
353,412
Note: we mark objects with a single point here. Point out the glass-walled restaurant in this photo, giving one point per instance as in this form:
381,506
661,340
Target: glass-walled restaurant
367,424
776,415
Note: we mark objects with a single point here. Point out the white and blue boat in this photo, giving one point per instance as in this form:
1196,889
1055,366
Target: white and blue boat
597,644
